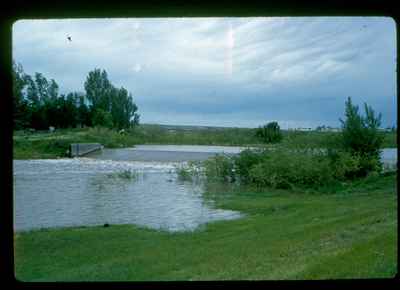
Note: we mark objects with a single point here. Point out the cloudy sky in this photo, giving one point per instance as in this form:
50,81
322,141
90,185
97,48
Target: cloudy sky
240,72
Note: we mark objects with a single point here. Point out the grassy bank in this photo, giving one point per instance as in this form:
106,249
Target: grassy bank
284,235
53,145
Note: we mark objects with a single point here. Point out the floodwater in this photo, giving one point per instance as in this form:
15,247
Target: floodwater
88,191
164,153
389,155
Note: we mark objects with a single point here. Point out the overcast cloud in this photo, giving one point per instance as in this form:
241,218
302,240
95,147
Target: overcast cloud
239,72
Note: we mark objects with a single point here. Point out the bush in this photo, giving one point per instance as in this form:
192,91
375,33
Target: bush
102,118
124,174
219,168
188,171
286,169
348,166
277,169
269,133
58,146
244,161
344,165
361,137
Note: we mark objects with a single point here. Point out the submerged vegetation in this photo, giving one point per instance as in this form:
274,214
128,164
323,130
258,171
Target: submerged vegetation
188,171
124,174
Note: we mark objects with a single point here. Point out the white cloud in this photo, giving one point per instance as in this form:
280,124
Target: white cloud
137,68
187,58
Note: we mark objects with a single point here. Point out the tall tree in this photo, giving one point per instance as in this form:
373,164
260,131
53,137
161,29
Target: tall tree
70,110
53,90
83,111
360,135
42,86
32,91
123,109
98,89
102,118
106,99
131,111
20,105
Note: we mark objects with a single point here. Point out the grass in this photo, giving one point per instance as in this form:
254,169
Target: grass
52,145
284,235
47,145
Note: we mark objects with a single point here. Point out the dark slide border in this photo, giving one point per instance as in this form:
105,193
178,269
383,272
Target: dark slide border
16,10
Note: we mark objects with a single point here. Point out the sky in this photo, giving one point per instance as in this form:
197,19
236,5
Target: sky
235,72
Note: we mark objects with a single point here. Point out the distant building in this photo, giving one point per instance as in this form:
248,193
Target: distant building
335,129
327,129
303,129
385,129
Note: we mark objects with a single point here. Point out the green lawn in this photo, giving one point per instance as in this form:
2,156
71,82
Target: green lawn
284,235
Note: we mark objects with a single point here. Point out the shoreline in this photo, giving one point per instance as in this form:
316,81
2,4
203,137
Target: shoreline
286,234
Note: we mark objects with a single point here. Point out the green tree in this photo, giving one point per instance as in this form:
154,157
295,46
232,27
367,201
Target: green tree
42,86
83,112
117,109
31,91
70,110
53,90
37,103
360,136
123,109
21,114
98,90
38,117
102,118
136,119
104,97
269,133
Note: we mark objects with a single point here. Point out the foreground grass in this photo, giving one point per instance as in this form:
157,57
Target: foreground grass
53,145
284,235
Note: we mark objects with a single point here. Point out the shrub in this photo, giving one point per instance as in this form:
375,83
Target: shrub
285,169
125,174
278,168
102,118
184,174
344,165
360,136
245,160
188,171
58,146
269,133
219,168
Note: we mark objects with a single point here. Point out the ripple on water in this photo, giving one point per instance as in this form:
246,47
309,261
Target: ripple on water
80,191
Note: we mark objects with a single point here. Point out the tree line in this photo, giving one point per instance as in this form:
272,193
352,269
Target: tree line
38,104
